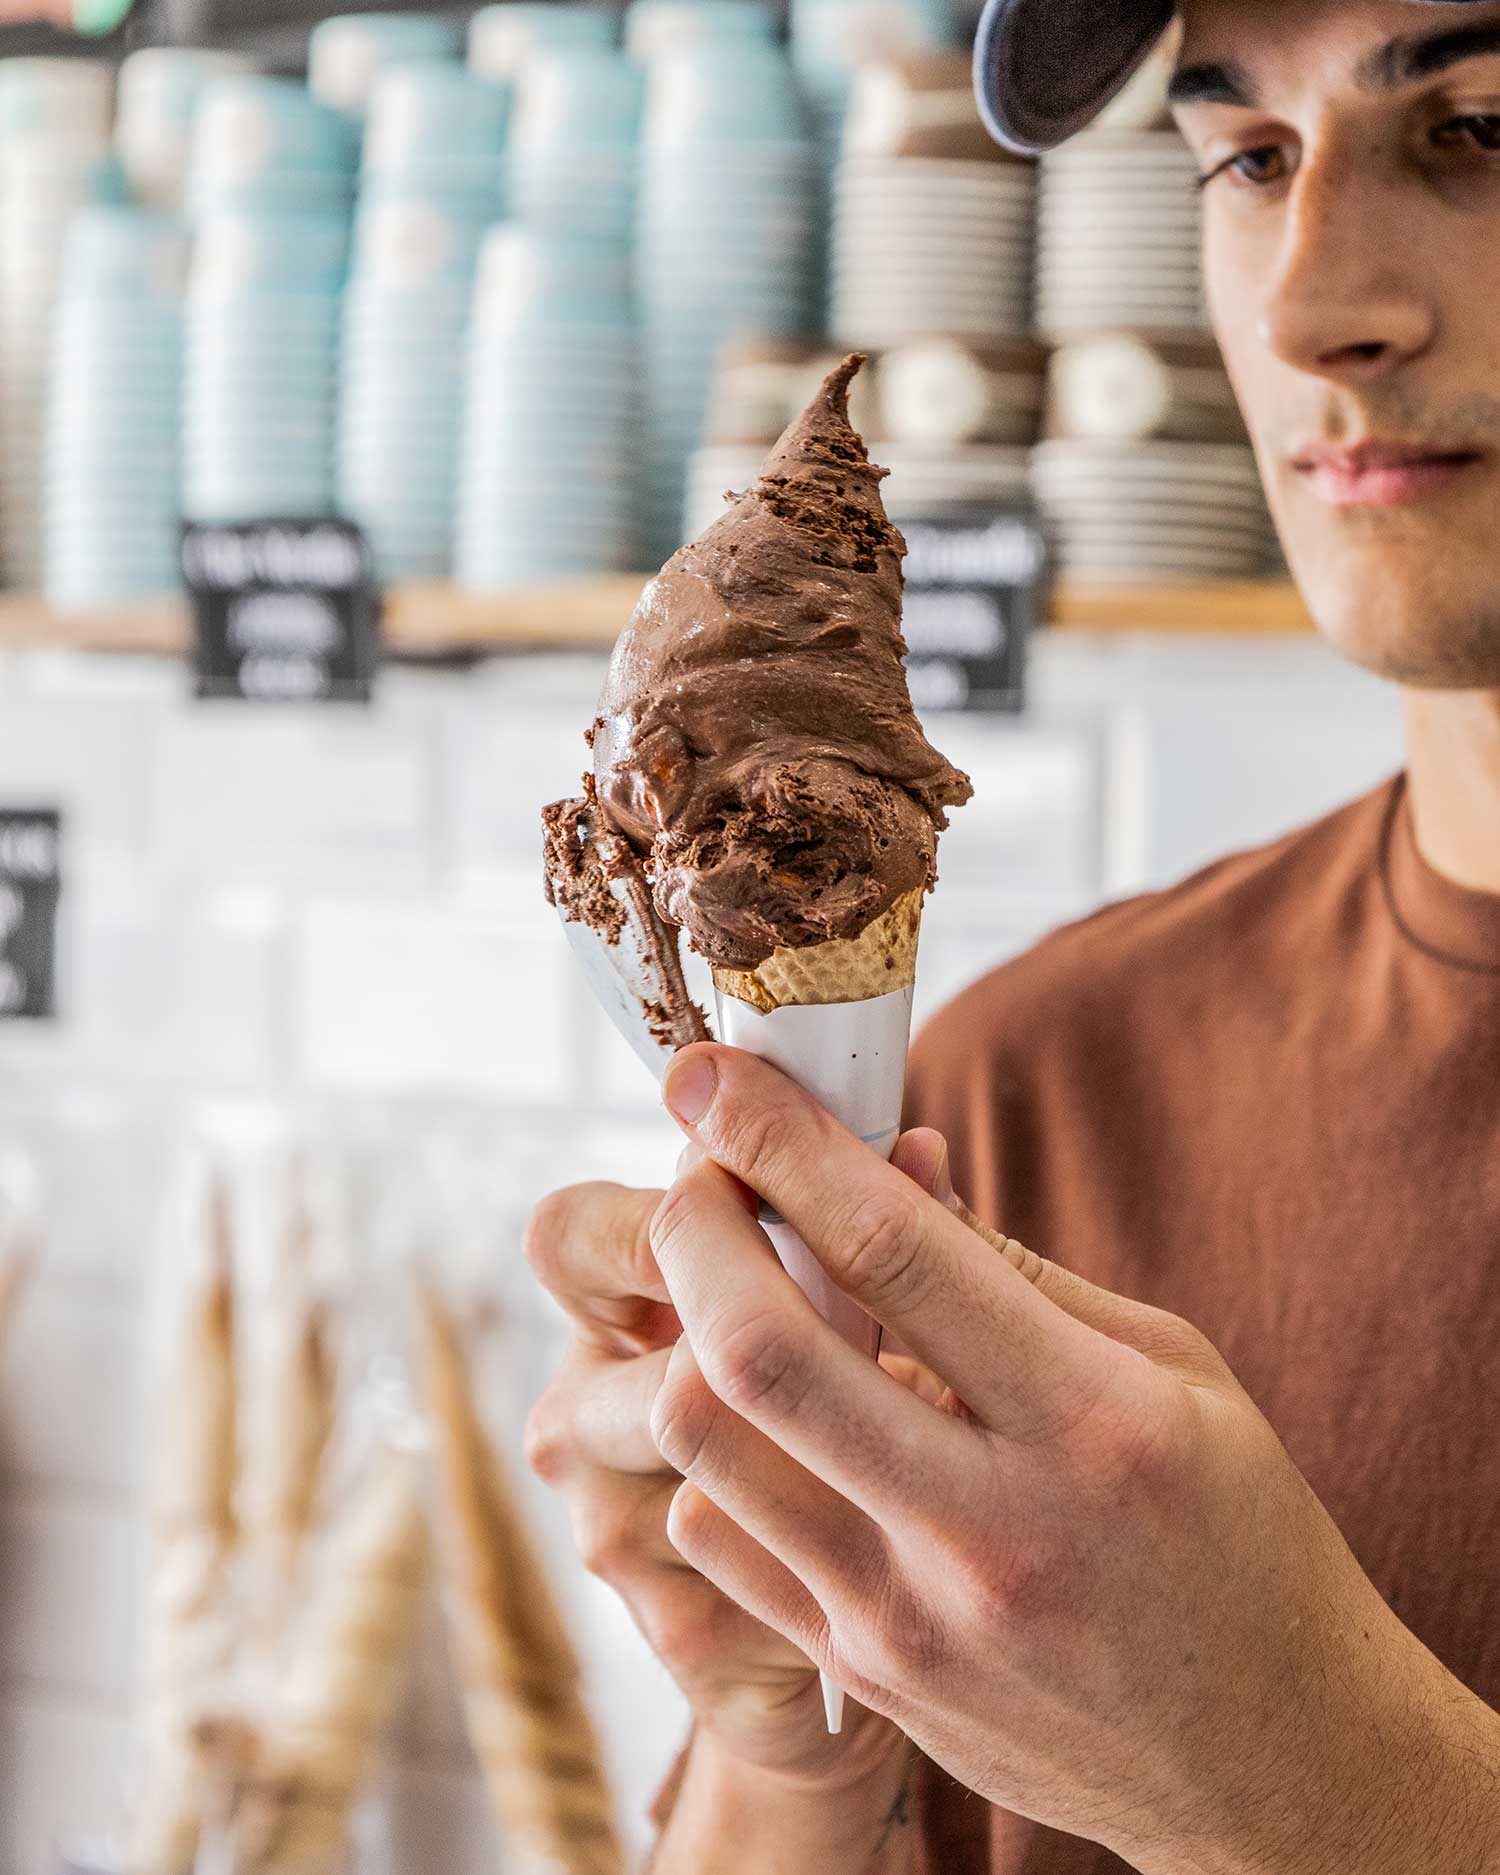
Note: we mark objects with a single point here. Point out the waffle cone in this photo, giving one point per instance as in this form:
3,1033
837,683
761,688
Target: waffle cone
881,959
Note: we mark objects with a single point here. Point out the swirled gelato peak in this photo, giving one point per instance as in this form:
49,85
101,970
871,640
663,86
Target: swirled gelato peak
756,744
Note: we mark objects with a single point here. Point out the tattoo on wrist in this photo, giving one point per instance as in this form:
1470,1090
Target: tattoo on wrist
898,1817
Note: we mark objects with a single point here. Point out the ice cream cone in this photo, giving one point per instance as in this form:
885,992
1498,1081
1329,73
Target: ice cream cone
882,958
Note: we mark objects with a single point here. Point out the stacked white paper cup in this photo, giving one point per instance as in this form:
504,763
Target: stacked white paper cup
926,245
575,151
729,240
346,53
551,416
261,368
158,96
266,144
502,38
112,493
1132,511
1118,237
54,148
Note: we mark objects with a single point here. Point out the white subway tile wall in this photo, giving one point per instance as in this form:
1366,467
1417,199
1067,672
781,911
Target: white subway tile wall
280,927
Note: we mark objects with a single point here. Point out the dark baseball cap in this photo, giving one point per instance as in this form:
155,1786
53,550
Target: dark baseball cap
1045,68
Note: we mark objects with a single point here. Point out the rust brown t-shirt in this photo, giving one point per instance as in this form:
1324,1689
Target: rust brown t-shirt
1269,1101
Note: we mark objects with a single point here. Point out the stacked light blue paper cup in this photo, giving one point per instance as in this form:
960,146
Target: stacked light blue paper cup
157,102
112,499
576,147
729,242
437,132
502,38
431,186
831,39
54,161
261,365
345,54
267,145
656,26
551,414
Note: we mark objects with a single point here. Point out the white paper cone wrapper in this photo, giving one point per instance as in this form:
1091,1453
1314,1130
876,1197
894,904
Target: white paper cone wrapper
851,1057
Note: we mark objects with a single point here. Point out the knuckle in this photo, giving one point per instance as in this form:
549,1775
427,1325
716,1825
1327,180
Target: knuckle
765,1133
880,1252
753,1366
673,1216
684,1630
682,1418
607,1543
548,1440
901,1641
548,1229
1130,1446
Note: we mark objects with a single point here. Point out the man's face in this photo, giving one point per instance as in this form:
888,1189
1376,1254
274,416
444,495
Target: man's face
1352,252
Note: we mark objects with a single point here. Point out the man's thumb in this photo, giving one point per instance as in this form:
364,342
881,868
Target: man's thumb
923,1155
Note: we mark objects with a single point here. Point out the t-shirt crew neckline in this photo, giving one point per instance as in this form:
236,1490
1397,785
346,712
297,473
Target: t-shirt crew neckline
1449,922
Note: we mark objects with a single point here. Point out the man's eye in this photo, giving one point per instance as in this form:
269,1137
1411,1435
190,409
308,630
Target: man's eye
1259,168
1480,131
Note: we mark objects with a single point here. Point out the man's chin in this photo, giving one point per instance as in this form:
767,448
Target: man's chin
1419,622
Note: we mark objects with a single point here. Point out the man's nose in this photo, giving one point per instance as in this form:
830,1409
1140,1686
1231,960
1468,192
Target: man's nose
1344,299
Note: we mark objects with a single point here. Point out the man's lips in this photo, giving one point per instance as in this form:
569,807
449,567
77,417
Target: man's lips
1381,475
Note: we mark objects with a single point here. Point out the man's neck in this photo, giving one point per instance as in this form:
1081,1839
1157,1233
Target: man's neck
1453,753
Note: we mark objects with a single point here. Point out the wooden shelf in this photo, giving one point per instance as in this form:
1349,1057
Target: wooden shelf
440,620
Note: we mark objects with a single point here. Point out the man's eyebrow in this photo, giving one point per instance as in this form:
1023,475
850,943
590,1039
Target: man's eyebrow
1425,55
1211,83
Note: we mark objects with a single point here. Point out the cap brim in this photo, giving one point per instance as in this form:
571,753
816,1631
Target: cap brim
1045,68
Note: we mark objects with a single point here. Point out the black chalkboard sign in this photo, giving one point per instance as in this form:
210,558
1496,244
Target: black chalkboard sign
976,588
283,611
30,882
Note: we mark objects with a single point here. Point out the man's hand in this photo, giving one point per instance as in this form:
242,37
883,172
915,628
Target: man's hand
753,1691
1089,1581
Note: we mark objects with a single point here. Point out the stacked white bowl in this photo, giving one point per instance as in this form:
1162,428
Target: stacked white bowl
156,103
112,498
551,417
431,187
345,54
268,144
927,246
1118,236
54,145
261,365
575,151
728,245
1168,511
502,38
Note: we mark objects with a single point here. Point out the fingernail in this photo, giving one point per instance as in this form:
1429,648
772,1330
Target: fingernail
689,1087
942,1178
691,1155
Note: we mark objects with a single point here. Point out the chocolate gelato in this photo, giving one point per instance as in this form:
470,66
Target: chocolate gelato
756,745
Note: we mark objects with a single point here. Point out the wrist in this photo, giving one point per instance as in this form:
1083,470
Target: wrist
1412,1784
853,1817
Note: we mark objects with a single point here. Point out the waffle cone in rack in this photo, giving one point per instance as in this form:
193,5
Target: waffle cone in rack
882,958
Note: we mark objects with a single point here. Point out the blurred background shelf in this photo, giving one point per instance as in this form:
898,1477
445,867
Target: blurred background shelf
439,620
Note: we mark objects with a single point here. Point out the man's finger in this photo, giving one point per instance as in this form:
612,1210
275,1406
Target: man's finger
827,1542
922,1155
591,1247
597,1414
620,1528
766,1356
1024,1368
739,1567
